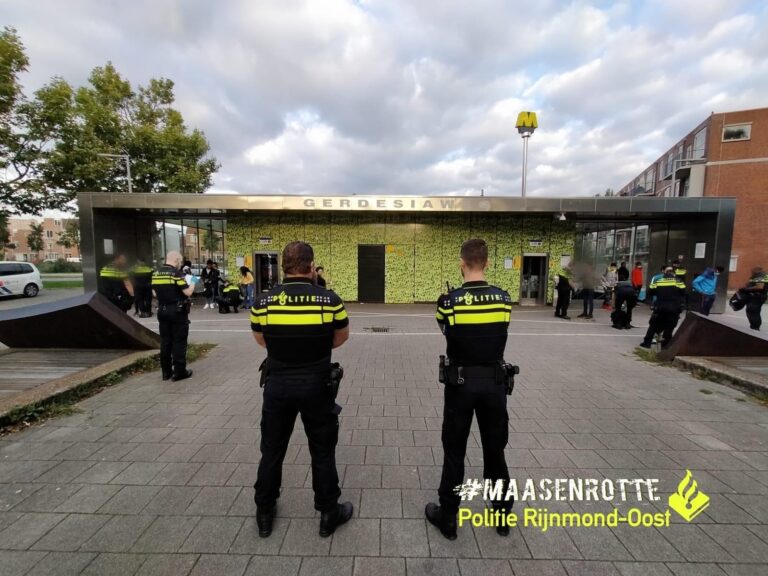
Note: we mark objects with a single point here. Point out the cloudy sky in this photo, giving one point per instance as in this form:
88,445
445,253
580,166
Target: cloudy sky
419,96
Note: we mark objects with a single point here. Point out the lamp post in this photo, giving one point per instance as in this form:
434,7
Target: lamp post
127,159
526,124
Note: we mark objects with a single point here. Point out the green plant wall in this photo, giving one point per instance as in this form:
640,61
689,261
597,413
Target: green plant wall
422,250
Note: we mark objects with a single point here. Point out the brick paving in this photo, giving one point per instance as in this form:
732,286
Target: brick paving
155,478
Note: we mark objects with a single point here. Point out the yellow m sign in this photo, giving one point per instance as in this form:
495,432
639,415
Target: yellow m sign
527,120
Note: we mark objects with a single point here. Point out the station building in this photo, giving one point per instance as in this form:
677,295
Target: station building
404,249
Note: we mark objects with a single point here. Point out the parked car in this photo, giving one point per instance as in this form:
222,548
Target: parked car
19,279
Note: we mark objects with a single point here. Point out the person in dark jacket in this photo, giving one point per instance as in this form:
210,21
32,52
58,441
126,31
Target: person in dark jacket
756,291
623,272
670,296
564,288
625,299
210,278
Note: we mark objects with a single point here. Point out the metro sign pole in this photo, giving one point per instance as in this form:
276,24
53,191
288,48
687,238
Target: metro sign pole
526,124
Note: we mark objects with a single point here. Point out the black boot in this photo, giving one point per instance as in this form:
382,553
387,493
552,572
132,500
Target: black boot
181,375
264,519
504,509
337,516
446,523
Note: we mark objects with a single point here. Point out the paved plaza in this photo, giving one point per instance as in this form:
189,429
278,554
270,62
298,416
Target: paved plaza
156,478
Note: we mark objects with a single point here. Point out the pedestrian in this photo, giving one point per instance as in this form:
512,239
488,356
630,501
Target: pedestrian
115,283
474,320
587,281
610,278
670,301
622,273
705,284
564,288
141,276
637,278
247,285
320,278
210,278
625,300
230,298
756,291
172,292
217,285
299,323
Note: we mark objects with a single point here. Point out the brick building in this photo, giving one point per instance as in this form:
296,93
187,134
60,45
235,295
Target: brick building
52,229
725,155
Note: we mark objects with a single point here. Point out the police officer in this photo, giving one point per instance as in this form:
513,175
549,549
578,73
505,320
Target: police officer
141,274
670,295
115,284
474,319
756,291
230,298
172,292
299,323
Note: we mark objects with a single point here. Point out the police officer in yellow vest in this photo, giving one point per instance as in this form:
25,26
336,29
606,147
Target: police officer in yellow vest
172,291
670,294
141,274
474,320
115,284
299,323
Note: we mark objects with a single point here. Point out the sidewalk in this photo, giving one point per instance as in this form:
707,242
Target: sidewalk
156,478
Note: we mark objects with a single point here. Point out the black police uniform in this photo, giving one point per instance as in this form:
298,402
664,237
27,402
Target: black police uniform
173,317
756,299
230,298
112,285
670,296
298,319
142,289
474,319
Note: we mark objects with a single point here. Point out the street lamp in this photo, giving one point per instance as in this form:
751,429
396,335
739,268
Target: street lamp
127,159
526,124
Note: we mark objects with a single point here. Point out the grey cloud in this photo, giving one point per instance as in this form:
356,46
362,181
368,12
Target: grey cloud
384,96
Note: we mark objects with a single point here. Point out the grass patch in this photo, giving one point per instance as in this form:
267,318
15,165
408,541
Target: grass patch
55,285
650,356
65,404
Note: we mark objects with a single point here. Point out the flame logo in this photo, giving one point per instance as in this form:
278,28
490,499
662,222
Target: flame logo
282,298
688,501
468,299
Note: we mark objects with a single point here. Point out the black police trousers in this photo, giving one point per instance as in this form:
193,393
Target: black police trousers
754,313
286,396
486,398
174,331
143,295
661,322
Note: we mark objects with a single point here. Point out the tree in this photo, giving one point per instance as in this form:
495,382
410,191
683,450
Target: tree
35,238
70,237
112,118
28,130
5,234
50,145
211,241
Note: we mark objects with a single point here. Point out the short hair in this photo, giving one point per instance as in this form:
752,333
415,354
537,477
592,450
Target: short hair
638,263
298,258
209,261
613,263
475,253
318,268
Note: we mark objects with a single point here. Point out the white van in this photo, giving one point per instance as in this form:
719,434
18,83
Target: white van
19,278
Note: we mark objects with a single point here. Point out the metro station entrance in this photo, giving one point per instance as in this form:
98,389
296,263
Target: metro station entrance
533,283
265,271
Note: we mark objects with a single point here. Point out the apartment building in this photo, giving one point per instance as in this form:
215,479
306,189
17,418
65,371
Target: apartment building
18,248
726,155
